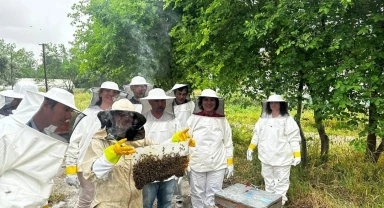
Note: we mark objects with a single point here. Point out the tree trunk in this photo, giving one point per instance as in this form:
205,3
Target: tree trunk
323,136
371,138
297,119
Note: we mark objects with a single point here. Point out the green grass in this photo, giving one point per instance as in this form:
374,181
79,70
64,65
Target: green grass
346,180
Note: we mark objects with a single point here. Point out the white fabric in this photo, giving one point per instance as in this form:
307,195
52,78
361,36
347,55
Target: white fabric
101,167
204,186
276,179
176,86
209,93
183,112
213,137
95,91
72,180
296,161
61,96
138,107
157,94
138,80
19,91
275,98
275,138
229,171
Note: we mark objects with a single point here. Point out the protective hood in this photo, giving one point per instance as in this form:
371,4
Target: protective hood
105,85
218,107
19,91
172,92
266,110
122,121
157,94
138,80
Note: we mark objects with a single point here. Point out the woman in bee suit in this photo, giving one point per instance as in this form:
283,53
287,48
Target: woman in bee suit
102,99
31,154
137,89
277,137
10,99
108,162
160,127
212,158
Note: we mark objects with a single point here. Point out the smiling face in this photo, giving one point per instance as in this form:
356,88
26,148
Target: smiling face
139,90
181,96
209,105
108,96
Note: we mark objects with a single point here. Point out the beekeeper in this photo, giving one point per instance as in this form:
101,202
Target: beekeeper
160,127
31,154
137,89
212,158
108,162
102,99
10,99
277,137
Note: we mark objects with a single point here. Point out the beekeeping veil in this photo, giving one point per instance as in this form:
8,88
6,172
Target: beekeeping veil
122,121
172,92
266,109
145,88
157,94
208,93
18,92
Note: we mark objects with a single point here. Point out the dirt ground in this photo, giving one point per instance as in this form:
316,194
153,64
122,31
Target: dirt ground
65,196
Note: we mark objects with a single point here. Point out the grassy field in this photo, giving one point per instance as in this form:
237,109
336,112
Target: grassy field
344,181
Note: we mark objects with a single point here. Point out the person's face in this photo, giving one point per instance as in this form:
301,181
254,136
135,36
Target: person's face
108,95
59,114
139,90
158,106
180,96
123,122
275,106
15,102
209,104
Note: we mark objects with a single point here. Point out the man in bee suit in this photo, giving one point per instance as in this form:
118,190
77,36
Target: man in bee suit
212,158
277,136
160,127
137,89
10,99
183,107
30,153
102,99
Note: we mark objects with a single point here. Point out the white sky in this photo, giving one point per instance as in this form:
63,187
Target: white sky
27,23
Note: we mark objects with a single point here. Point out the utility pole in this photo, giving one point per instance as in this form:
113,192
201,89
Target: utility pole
45,70
11,71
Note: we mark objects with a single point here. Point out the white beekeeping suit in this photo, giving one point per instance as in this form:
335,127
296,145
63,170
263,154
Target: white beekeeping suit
212,158
185,109
137,89
80,140
31,156
9,99
277,138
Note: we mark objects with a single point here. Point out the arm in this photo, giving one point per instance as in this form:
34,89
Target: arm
254,141
72,154
292,132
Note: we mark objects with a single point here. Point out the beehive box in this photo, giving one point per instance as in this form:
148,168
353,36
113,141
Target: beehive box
242,196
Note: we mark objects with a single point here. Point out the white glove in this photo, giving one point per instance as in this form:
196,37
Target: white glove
229,171
296,161
249,154
72,180
179,180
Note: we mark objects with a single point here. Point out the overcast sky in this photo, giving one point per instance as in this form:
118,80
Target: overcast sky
30,22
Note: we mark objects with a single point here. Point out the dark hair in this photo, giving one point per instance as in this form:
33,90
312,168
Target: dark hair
283,108
98,103
200,103
50,102
180,89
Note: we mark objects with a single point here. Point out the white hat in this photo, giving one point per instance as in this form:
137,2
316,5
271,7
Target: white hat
123,105
105,85
62,96
177,86
20,90
138,80
208,93
157,94
275,98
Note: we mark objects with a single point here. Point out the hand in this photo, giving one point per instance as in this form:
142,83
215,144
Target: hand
114,152
72,180
181,136
179,180
229,171
296,161
249,154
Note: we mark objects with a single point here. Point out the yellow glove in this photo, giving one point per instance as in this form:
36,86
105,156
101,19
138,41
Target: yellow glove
181,136
114,152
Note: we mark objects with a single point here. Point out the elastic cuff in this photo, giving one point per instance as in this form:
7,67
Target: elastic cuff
296,154
46,206
252,146
71,170
230,161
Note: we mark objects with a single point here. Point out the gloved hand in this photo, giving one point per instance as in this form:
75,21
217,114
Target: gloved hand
114,152
181,136
229,170
71,178
179,180
250,151
296,159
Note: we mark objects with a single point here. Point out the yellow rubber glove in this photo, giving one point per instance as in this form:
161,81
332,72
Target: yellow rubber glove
250,151
181,136
296,158
114,152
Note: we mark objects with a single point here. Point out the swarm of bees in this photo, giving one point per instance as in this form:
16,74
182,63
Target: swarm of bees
150,168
